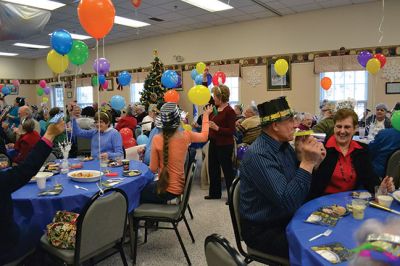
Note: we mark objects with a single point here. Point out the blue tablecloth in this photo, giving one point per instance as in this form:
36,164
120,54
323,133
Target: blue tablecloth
31,211
298,232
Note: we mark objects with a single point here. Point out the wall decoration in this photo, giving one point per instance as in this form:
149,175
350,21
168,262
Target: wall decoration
392,88
110,84
276,82
13,89
253,77
391,71
69,94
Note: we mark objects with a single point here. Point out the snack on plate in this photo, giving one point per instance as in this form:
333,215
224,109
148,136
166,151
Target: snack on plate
335,210
365,195
52,167
82,174
114,164
87,158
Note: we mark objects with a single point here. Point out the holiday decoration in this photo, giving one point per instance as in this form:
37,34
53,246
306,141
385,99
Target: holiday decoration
252,77
153,91
391,71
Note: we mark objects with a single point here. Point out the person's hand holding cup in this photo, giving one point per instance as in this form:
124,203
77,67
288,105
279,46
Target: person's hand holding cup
311,151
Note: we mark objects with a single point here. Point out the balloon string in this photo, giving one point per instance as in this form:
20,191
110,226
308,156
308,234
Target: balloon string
104,56
381,24
98,100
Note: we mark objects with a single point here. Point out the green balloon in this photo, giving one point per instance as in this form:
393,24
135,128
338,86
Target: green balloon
94,81
79,53
39,91
396,120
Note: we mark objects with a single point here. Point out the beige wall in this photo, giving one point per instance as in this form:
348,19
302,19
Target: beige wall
352,26
14,68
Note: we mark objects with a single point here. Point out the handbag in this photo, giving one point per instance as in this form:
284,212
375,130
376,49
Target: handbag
62,231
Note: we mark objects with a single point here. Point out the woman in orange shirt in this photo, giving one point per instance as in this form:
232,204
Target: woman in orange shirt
168,154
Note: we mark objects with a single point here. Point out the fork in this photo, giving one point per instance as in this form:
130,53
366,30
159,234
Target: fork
79,187
326,233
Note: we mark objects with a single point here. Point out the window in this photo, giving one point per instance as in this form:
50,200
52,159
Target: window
233,85
136,89
84,96
347,84
57,96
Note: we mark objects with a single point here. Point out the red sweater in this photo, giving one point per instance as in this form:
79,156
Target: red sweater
25,144
126,121
225,120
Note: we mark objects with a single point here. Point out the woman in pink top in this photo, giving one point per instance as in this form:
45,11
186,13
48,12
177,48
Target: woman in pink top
168,154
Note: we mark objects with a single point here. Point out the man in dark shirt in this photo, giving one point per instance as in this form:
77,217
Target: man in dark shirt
273,182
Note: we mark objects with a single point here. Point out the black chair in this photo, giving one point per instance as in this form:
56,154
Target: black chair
251,254
393,167
219,252
83,146
187,166
168,213
100,227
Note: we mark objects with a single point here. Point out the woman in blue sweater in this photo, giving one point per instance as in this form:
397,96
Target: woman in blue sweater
110,139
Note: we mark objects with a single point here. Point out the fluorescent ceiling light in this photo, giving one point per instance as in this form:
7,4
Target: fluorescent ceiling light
209,5
129,22
78,36
28,45
8,54
42,4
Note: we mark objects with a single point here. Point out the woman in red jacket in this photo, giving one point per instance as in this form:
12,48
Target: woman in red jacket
27,141
127,120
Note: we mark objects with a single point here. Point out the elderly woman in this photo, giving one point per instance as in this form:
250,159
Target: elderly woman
149,119
220,150
110,139
26,142
306,121
127,120
347,164
378,121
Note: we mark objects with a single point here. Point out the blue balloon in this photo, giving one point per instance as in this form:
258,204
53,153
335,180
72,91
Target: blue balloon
102,79
142,139
209,79
124,78
194,74
199,79
117,102
170,79
61,41
5,90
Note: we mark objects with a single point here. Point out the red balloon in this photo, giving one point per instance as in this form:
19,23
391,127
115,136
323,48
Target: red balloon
96,17
219,78
326,83
126,134
171,96
1,86
129,143
105,85
136,3
381,59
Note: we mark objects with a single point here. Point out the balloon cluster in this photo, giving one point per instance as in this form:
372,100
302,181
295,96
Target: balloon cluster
171,79
127,138
373,63
43,89
65,50
101,66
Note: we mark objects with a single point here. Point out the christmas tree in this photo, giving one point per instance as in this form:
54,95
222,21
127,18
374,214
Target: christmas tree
153,91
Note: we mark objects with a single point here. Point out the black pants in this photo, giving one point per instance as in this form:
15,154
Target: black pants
149,195
219,156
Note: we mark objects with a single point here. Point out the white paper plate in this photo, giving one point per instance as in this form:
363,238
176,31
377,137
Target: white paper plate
41,174
94,175
396,195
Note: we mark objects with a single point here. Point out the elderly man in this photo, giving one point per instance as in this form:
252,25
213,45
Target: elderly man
13,134
378,121
140,113
250,126
274,184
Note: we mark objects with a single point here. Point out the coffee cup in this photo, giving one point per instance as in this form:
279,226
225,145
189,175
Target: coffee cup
385,200
41,181
125,165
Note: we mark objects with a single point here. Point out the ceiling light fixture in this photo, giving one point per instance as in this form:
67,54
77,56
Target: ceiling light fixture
78,36
129,22
209,5
42,4
7,54
28,45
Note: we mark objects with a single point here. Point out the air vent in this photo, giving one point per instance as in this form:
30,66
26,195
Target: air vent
156,19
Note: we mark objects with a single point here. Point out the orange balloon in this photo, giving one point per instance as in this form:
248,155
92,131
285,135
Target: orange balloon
326,83
171,96
96,17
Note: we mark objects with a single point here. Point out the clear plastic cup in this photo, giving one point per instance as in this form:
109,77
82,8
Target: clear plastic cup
358,206
41,182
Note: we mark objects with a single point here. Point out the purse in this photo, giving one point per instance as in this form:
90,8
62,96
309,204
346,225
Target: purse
62,231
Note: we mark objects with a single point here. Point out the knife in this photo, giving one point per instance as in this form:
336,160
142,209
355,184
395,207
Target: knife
373,204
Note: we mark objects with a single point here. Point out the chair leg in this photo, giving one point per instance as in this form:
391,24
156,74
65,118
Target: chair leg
182,245
134,250
145,232
131,235
188,228
122,253
190,211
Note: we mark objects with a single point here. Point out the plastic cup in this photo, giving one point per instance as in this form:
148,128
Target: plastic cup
125,165
118,159
385,200
358,206
41,182
103,162
361,132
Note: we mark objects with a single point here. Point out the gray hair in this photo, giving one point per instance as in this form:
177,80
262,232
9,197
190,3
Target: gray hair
28,125
253,109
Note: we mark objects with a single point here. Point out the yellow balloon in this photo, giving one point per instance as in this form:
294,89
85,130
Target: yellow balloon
45,99
373,66
199,95
187,127
200,67
281,66
56,62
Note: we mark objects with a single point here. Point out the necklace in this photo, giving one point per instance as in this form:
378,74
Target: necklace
342,171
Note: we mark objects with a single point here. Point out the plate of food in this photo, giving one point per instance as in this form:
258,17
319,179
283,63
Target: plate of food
365,195
85,175
335,210
41,174
114,164
131,173
86,159
52,168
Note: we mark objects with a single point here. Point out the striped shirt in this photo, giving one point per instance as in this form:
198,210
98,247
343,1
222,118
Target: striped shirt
272,186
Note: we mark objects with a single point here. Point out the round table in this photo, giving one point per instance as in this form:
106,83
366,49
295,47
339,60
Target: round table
35,212
299,232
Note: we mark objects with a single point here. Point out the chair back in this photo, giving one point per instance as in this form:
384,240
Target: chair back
84,145
219,251
393,167
101,225
234,200
187,190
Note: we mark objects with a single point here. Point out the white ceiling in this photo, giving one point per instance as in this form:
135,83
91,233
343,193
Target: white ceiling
177,15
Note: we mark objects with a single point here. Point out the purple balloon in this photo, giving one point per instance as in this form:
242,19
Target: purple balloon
101,66
209,79
46,90
241,150
363,58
